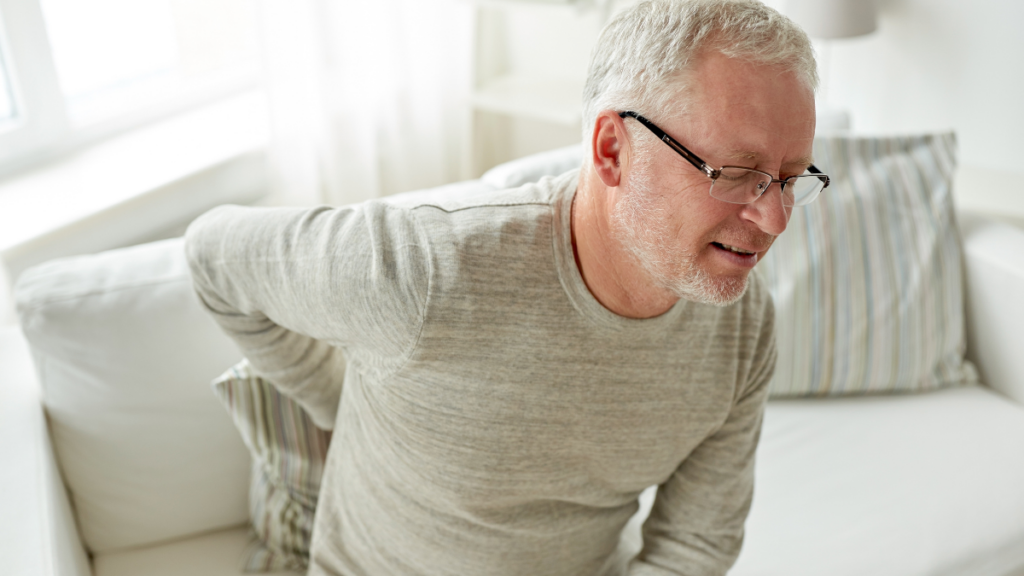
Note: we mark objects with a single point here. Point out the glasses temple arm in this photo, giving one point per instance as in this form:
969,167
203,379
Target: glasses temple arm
679,148
814,170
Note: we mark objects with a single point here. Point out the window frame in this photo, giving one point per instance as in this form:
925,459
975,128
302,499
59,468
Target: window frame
42,117
44,132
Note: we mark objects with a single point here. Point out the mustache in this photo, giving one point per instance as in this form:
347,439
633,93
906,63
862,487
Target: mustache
747,239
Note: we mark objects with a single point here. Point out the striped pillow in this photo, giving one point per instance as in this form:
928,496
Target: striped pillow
288,454
867,279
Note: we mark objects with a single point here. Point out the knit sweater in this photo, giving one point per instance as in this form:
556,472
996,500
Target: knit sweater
490,417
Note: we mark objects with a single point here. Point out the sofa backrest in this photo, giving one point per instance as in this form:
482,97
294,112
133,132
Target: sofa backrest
125,355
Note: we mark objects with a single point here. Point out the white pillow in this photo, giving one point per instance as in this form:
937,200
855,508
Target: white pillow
534,167
126,354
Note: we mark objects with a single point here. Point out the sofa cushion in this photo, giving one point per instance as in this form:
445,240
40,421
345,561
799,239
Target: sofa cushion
288,453
867,280
895,485
218,553
125,355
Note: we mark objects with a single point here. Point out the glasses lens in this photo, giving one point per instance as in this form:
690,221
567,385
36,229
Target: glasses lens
739,185
801,190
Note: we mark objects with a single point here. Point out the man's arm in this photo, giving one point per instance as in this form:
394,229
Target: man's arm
292,286
696,525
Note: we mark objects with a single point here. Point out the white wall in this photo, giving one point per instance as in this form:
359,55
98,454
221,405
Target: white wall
944,64
543,41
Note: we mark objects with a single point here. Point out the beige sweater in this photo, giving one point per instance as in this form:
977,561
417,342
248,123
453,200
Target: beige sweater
495,418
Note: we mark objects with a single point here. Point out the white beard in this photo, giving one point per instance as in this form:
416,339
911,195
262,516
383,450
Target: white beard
642,228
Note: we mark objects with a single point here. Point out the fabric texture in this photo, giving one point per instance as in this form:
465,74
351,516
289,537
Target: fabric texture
496,419
288,453
125,354
868,278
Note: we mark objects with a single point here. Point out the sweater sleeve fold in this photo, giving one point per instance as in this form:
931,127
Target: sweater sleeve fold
304,292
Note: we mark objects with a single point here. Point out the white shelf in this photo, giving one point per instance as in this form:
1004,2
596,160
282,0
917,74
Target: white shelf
548,99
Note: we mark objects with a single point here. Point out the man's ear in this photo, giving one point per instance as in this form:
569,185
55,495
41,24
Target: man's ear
609,147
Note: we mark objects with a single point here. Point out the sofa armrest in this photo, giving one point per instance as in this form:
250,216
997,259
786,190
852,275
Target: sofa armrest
994,269
37,528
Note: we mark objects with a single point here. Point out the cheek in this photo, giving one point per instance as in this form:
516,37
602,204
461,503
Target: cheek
688,215
701,217
690,200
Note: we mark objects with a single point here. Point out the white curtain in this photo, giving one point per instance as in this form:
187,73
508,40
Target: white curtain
367,97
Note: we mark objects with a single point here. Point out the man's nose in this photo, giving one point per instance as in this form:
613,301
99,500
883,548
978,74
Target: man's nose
767,212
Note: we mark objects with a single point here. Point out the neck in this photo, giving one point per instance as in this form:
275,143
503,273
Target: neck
610,272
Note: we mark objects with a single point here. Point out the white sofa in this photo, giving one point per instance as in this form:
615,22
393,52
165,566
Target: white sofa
136,462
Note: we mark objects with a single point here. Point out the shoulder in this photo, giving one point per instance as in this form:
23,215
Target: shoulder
477,195
473,215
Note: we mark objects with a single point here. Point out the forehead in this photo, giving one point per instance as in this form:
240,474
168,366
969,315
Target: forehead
750,111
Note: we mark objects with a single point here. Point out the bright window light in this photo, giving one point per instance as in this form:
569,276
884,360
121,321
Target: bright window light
118,56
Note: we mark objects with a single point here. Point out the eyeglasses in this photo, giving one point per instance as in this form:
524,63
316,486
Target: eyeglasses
739,185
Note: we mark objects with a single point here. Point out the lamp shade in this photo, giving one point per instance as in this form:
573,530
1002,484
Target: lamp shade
834,18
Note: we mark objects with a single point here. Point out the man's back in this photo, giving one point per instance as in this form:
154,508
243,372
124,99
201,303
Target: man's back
496,419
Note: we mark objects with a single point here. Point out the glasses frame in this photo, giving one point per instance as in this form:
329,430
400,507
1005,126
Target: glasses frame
713,173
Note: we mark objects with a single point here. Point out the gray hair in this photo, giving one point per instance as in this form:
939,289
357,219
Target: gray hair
642,57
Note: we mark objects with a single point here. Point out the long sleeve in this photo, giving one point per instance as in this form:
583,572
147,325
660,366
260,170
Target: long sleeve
696,525
301,290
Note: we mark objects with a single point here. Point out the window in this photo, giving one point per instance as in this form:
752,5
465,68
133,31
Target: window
74,71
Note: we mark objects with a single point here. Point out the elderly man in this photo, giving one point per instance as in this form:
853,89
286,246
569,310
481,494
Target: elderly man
515,368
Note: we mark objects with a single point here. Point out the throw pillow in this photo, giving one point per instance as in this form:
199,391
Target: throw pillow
867,280
288,454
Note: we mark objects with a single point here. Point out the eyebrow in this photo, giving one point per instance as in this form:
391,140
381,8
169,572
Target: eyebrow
742,155
747,155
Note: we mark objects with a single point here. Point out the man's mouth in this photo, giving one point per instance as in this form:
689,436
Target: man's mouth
733,249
